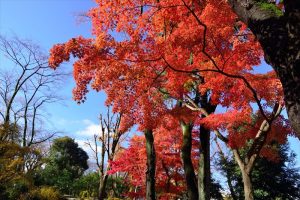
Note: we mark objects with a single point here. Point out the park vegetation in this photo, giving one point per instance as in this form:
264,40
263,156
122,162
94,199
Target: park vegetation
187,99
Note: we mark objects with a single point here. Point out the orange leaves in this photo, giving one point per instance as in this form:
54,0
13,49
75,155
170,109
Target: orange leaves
143,47
58,55
148,55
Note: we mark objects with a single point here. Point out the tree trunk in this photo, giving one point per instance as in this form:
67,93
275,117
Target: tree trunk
279,36
204,165
150,173
102,187
246,169
190,177
248,190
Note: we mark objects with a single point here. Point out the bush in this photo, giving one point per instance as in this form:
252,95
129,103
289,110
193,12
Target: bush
49,193
18,189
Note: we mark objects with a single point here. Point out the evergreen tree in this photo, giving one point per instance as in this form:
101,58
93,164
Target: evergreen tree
66,163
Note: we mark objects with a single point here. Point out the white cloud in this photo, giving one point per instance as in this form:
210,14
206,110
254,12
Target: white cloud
82,144
89,131
84,131
87,122
65,122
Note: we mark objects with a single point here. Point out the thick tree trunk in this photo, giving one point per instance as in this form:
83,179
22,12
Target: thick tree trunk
102,187
151,159
204,176
190,177
204,165
248,190
291,87
279,36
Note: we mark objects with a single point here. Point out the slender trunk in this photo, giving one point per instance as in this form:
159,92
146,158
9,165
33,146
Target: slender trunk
246,169
102,187
168,184
248,190
103,177
150,173
190,177
204,165
204,176
24,142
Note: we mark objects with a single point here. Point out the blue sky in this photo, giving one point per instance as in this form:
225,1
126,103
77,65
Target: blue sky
48,22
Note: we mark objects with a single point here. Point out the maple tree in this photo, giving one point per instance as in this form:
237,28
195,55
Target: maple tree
170,182
176,57
259,137
278,31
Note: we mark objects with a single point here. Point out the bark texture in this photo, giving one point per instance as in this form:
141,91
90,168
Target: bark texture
151,159
246,169
248,190
279,36
189,172
204,165
204,175
102,187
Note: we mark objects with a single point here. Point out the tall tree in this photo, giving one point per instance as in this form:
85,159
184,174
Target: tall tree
278,32
163,54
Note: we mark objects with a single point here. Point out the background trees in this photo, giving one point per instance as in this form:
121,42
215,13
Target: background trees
105,146
273,178
26,86
66,162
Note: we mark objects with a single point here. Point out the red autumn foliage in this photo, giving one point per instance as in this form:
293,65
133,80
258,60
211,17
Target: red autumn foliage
169,171
163,51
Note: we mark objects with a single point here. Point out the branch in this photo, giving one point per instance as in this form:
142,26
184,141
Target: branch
261,136
44,139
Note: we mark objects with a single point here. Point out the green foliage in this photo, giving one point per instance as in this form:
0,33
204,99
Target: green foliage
49,193
116,187
65,154
271,7
17,189
215,189
13,181
65,164
11,161
87,185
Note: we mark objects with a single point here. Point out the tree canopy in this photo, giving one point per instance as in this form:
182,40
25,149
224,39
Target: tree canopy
66,163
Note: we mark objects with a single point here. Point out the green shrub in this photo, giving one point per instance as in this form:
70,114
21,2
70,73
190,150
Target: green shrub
18,189
49,193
